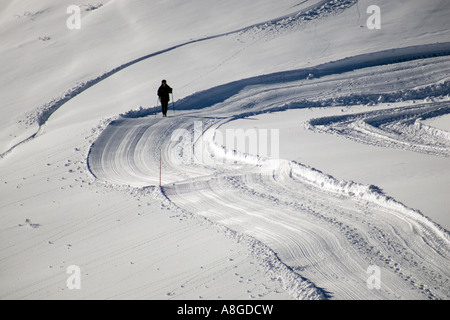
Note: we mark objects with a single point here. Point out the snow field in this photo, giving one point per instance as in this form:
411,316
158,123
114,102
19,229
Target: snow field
80,150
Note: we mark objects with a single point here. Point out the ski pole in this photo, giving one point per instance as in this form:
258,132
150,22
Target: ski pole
157,106
173,104
160,168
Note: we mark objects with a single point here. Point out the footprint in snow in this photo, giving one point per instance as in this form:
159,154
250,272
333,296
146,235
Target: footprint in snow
29,224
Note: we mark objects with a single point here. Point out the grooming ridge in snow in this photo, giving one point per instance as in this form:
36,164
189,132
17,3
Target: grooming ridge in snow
398,128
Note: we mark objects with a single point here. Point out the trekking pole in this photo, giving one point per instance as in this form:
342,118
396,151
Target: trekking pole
173,104
157,106
160,168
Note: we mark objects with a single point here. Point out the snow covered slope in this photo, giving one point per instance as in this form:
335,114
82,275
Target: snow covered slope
80,148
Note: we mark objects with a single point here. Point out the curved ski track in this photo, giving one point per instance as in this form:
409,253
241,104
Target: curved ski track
325,231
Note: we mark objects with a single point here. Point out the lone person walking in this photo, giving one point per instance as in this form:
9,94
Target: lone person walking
163,94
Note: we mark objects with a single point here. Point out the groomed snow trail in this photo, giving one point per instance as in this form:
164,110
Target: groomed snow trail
322,233
397,128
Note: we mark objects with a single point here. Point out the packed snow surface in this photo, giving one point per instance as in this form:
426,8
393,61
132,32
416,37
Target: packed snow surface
148,207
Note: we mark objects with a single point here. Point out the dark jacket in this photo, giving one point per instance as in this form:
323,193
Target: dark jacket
163,93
